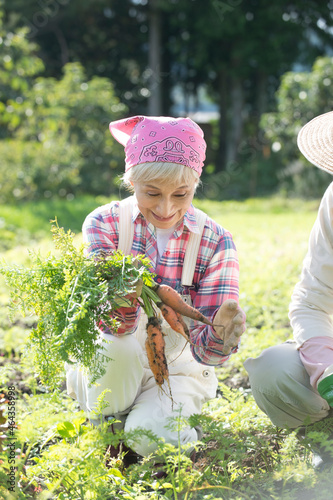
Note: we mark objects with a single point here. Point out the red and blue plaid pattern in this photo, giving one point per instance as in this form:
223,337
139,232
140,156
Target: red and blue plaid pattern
215,278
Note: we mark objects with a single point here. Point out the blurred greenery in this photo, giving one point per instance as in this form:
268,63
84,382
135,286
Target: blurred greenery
61,85
30,221
27,222
300,97
60,142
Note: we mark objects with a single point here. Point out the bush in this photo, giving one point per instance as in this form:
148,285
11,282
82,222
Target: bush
31,170
62,145
301,96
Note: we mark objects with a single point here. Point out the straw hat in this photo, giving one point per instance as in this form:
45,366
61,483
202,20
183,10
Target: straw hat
315,141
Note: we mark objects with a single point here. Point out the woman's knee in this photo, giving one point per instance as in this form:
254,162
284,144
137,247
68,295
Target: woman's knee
274,365
122,357
281,387
122,378
154,425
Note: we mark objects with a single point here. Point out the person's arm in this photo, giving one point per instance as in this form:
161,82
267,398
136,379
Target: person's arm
218,284
311,306
100,229
100,233
312,300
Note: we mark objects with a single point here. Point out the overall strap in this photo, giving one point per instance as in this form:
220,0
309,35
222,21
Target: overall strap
125,225
192,249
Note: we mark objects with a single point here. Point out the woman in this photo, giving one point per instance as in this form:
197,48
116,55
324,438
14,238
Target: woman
293,382
189,252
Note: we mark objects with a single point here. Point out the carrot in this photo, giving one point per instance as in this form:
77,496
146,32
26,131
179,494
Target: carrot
174,320
153,364
171,298
184,325
155,347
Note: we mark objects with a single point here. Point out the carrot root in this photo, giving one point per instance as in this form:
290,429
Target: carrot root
184,325
171,298
155,347
174,320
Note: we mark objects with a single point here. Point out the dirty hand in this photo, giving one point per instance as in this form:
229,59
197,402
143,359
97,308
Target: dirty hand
230,324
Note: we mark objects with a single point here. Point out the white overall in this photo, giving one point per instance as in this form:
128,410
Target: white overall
135,398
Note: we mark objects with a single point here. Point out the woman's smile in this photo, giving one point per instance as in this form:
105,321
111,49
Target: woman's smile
163,219
163,205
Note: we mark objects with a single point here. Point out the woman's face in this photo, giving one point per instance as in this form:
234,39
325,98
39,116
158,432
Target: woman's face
164,204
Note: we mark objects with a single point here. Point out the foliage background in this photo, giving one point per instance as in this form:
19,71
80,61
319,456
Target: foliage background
251,73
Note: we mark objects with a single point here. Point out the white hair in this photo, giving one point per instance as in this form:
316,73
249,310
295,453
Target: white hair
170,173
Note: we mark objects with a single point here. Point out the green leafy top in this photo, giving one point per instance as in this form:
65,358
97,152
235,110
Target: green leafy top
71,294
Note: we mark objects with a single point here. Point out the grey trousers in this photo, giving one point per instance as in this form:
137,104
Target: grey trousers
281,387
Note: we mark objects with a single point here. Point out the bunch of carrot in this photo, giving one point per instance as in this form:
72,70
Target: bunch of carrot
173,308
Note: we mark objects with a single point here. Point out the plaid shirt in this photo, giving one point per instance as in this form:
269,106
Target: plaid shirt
215,277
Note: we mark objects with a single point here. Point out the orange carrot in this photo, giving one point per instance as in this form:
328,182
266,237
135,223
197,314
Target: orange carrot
171,298
174,320
184,325
153,364
155,347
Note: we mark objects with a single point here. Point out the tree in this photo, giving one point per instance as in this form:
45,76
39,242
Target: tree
18,67
237,50
240,50
155,59
301,96
62,145
108,37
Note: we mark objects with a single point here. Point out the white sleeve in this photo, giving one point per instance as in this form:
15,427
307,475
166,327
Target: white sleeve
312,300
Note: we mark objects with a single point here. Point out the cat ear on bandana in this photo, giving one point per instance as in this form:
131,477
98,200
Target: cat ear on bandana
122,129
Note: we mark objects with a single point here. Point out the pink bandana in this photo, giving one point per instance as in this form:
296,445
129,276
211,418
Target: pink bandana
160,138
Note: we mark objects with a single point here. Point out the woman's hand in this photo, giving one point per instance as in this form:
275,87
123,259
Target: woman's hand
130,299
231,320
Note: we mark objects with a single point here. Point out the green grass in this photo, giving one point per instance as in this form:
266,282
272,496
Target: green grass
242,455
26,223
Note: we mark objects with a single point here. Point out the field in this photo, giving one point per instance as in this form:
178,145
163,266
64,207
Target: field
58,455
